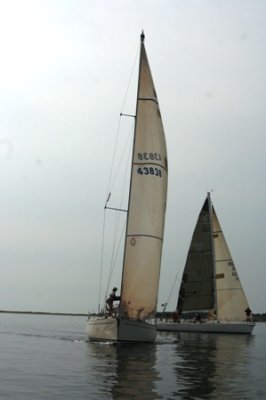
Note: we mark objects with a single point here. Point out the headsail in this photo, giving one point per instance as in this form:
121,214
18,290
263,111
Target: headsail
197,287
231,299
147,202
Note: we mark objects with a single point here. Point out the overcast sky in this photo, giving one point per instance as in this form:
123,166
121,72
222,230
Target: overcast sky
64,71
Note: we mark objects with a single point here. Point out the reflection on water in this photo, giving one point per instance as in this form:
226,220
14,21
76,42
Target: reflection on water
136,372
211,366
128,371
185,366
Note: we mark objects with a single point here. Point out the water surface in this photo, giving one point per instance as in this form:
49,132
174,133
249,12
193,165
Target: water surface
48,357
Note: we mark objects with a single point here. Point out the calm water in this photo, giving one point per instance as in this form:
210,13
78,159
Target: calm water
47,357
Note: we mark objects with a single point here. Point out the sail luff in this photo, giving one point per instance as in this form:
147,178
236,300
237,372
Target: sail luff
142,37
213,252
147,202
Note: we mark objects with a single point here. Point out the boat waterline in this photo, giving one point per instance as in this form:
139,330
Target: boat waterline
208,327
119,329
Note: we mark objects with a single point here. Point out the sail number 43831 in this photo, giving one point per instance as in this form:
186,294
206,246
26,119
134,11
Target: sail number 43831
149,171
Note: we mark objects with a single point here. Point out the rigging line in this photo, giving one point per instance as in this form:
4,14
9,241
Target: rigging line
117,243
115,175
115,252
115,150
113,158
119,215
114,259
130,79
171,290
125,177
101,264
119,121
111,268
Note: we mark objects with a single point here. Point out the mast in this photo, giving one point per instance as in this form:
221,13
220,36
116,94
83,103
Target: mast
213,253
142,37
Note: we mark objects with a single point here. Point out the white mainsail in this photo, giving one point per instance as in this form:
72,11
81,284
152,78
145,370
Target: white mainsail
147,203
145,223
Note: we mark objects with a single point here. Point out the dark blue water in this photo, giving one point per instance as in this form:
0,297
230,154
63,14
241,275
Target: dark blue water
48,357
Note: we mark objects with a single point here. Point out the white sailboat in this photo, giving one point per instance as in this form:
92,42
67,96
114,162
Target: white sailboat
211,297
145,223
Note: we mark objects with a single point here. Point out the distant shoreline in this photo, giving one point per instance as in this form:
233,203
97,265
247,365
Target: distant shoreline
257,317
43,313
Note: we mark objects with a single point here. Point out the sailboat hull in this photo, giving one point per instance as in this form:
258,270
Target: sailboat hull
210,285
122,330
208,327
136,331
102,329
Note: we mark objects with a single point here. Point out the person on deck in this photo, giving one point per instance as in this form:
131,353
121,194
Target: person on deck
211,315
176,316
198,318
248,314
110,300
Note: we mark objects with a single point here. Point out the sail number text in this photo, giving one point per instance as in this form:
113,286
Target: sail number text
149,171
149,156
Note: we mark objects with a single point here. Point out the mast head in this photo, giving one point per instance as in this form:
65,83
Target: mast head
142,36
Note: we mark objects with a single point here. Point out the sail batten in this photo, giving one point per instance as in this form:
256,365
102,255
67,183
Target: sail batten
144,235
154,164
148,99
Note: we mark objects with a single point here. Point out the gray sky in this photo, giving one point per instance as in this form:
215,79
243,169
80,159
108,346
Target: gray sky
64,71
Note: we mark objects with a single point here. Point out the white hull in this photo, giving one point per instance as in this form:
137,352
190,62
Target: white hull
208,327
122,330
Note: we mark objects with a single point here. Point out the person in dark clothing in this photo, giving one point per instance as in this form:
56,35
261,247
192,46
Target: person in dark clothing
198,318
176,316
110,300
248,314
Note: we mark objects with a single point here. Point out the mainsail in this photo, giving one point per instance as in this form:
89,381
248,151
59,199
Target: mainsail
197,287
147,202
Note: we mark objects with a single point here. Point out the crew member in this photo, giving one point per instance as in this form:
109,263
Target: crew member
110,300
